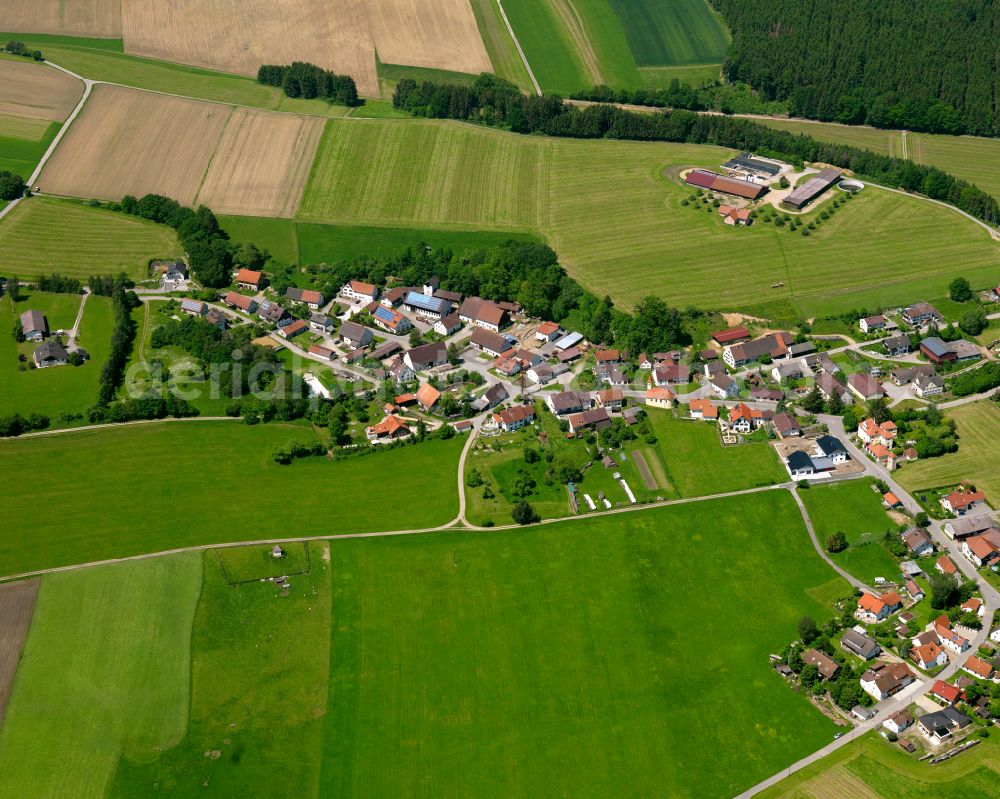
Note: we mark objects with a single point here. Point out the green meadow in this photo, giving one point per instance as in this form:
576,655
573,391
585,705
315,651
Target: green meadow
23,142
550,47
566,660
60,389
203,482
43,235
613,212
855,510
104,674
672,32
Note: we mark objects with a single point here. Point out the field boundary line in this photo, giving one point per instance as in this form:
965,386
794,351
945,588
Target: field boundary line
215,152
520,51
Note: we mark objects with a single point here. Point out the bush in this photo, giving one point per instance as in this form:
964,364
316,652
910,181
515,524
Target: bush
524,513
11,186
836,542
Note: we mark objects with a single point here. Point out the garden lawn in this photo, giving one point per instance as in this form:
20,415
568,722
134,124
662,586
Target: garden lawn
58,389
622,655
259,680
854,509
105,672
200,482
416,173
43,235
977,458
875,769
697,463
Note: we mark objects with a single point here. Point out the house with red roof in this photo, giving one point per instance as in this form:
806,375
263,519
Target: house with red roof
250,280
949,694
945,565
983,549
961,502
978,667
929,655
703,409
872,609
391,428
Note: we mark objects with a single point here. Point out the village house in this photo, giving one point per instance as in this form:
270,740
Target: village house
786,371
830,447
34,326
908,374
917,542
735,216
490,398
400,371
787,426
568,402
491,343
929,655
864,386
594,419
744,419
669,374
427,396
886,679
898,721
947,637
978,667
873,609
942,724
194,307
829,386
483,313
660,397
359,291
766,395
515,417
392,298
973,605
322,352
972,525
427,356
355,335
611,398
448,324
961,502
391,428
391,320
320,323
872,324
921,313
271,312
859,644
547,331
433,307
703,409
982,550
828,667
896,345
943,692
312,299
50,353
293,328
724,387
250,280
240,302
945,565
216,318
774,345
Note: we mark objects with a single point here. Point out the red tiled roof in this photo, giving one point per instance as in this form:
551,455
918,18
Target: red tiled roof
249,276
731,334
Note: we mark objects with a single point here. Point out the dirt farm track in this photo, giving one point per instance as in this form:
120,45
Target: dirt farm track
240,35
17,603
236,160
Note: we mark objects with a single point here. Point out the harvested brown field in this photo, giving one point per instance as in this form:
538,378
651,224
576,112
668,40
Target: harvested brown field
342,35
127,141
17,603
36,91
440,34
240,36
643,467
261,164
100,18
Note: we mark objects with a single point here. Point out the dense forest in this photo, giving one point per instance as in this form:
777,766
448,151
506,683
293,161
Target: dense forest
930,65
492,101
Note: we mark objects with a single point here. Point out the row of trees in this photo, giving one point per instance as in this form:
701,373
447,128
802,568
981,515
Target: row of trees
131,410
493,101
300,79
15,424
894,64
113,371
59,284
20,48
727,98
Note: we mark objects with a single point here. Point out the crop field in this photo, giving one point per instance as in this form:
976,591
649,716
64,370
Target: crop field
17,603
129,142
672,32
617,223
105,673
500,47
261,163
61,389
574,646
23,141
43,235
555,44
854,509
37,92
697,464
875,769
977,459
82,17
89,513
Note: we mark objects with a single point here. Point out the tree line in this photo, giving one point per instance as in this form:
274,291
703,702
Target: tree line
20,48
113,371
928,66
727,98
493,101
308,81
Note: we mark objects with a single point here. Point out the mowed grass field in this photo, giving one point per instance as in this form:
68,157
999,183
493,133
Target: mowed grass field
62,389
23,142
697,464
977,459
105,672
875,769
615,218
202,482
854,509
614,656
672,32
44,235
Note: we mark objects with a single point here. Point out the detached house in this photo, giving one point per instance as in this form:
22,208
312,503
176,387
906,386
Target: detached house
774,344
703,409
514,418
873,609
724,387
872,324
860,644
49,353
660,397
744,419
391,320
829,386
886,679
864,386
491,343
427,356
308,297
355,335
250,280
961,502
594,419
359,291
982,550
921,313
241,302
896,345
929,655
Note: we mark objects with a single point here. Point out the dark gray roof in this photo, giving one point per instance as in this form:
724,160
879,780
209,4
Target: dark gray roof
829,445
50,349
799,461
747,161
33,320
936,346
858,642
945,720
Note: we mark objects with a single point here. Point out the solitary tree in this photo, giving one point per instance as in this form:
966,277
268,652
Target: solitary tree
959,290
808,631
524,513
836,542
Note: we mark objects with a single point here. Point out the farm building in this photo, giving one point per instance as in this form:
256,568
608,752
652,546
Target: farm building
812,189
746,163
33,325
713,181
419,303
